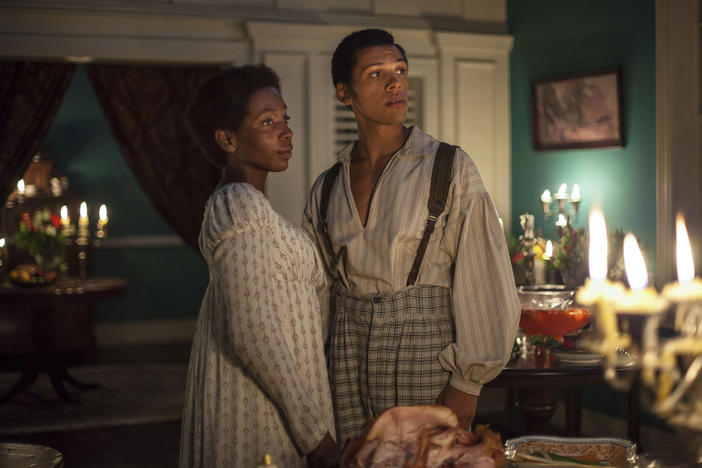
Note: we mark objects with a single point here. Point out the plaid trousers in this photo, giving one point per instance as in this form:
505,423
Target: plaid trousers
384,353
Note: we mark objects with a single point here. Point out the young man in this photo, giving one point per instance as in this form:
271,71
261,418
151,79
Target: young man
407,328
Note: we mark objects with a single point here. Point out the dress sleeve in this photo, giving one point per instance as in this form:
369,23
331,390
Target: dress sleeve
485,302
244,266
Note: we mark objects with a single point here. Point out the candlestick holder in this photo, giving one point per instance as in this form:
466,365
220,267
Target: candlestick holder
630,325
568,206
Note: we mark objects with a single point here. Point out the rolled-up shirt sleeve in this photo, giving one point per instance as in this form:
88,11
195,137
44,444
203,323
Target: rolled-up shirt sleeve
485,302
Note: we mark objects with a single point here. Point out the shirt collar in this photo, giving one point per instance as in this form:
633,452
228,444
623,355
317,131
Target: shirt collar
412,146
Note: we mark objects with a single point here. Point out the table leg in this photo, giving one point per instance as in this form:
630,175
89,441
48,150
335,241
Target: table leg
27,378
573,410
43,358
77,383
537,405
633,412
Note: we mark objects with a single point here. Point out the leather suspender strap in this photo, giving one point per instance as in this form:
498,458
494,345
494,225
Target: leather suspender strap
329,179
438,192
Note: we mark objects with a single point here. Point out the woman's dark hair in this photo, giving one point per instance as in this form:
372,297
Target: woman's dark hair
344,58
222,102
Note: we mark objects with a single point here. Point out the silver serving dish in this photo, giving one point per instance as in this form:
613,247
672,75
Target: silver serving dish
617,452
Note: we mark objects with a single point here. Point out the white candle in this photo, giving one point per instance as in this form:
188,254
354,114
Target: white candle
549,250
546,196
64,215
575,195
562,191
687,288
102,217
83,221
562,221
20,186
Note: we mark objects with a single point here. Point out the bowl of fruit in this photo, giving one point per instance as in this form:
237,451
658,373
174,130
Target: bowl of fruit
30,275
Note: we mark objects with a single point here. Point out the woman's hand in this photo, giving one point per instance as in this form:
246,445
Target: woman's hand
463,405
325,455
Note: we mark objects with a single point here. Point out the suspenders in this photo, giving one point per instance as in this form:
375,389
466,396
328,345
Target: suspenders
438,192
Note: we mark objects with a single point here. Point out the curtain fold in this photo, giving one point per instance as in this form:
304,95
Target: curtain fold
30,96
145,108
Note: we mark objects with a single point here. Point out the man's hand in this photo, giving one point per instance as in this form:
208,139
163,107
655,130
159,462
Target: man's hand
463,404
325,455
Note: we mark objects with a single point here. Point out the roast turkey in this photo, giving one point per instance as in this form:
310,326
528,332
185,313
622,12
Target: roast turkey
422,437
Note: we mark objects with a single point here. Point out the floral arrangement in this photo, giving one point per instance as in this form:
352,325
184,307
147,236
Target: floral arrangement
571,256
41,236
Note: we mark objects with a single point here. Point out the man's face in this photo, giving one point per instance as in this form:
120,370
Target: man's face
378,90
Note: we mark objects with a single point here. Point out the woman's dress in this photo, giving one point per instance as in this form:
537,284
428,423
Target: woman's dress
257,379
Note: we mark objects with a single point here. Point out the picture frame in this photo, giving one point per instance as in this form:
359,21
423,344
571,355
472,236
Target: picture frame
580,110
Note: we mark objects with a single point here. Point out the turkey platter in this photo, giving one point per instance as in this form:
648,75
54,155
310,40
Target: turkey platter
422,437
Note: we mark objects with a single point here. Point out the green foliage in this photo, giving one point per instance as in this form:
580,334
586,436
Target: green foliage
545,342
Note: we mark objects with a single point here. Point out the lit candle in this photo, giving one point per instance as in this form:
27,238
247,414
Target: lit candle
65,219
686,293
83,221
688,288
602,293
102,217
549,250
575,195
562,221
20,186
546,196
562,192
2,243
640,299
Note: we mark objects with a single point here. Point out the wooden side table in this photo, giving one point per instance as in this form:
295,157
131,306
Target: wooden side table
42,300
537,380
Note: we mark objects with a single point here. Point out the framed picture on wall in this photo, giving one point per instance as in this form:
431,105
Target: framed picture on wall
582,110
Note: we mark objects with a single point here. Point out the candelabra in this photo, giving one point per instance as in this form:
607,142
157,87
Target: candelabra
83,236
672,367
564,214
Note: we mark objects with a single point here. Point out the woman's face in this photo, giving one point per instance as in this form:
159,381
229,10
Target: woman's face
378,91
264,140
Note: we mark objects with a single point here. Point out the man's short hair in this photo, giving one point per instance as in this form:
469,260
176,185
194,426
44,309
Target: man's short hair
222,102
346,53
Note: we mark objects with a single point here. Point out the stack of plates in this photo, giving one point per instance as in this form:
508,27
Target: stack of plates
577,357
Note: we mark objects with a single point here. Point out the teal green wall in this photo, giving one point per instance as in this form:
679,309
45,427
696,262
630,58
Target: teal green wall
553,37
166,282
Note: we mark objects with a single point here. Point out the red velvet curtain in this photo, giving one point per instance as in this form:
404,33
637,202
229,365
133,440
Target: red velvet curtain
30,95
145,108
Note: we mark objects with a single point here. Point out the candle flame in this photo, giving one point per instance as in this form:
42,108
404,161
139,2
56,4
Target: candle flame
2,243
102,215
549,250
562,190
83,210
636,271
20,186
598,245
562,221
575,195
546,196
64,212
683,251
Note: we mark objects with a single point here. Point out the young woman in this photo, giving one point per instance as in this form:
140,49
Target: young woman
257,380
